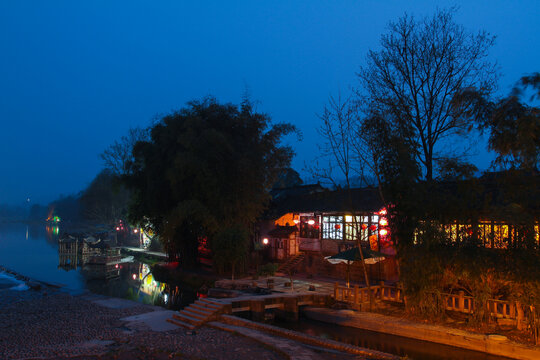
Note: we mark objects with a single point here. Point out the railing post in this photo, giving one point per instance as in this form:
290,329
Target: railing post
381,284
519,317
335,291
356,292
512,311
461,301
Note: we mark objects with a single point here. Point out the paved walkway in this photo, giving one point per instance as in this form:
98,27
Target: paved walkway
289,348
301,284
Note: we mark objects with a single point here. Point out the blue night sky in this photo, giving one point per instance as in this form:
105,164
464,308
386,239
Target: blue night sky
75,75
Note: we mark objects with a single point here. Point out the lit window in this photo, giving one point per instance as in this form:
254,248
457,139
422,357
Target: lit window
332,227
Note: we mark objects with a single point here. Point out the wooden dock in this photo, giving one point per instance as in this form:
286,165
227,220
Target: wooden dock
284,305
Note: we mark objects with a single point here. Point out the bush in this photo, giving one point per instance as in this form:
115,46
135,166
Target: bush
268,269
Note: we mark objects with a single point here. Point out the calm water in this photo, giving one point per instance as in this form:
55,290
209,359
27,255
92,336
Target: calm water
413,349
33,251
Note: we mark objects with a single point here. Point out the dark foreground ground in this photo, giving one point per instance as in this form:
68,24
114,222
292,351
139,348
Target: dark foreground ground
49,324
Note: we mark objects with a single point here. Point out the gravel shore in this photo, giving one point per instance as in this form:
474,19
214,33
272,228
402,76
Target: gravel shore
49,324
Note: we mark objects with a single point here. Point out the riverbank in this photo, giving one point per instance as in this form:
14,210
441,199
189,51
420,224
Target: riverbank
489,344
50,324
46,323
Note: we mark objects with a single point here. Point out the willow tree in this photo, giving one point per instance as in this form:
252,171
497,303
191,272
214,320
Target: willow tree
205,170
422,64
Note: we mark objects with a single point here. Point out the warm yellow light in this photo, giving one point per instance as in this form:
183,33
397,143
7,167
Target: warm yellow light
383,232
311,222
383,222
265,241
348,218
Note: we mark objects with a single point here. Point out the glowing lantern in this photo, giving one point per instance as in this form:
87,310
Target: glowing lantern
337,226
383,222
311,222
135,230
373,227
134,276
382,212
296,221
117,228
383,232
265,241
116,266
364,226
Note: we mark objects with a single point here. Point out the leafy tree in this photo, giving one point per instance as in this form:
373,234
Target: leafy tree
514,128
206,167
230,247
410,83
288,178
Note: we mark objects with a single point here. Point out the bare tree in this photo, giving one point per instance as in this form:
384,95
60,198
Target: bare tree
346,147
421,66
117,156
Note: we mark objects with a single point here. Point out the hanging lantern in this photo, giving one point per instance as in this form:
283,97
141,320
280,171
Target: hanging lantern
337,226
373,227
383,232
364,226
311,222
316,226
383,211
383,222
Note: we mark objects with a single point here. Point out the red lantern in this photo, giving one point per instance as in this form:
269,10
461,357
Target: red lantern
337,226
373,227
364,226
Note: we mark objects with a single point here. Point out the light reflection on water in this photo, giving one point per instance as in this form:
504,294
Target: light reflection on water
33,251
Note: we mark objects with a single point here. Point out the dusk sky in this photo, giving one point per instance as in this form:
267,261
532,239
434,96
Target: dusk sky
76,75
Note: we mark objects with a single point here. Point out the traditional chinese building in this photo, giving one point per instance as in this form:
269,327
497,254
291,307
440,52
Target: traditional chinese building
314,222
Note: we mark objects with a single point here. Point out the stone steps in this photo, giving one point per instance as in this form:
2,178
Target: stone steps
197,313
290,264
181,324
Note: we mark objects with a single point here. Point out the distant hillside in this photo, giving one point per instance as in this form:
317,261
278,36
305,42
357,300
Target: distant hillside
12,213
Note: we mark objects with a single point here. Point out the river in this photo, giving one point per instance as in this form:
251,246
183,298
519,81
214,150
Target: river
32,251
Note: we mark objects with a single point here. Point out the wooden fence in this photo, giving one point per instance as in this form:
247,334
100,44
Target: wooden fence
358,297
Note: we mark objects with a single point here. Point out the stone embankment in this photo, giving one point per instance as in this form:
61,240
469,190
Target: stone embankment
490,344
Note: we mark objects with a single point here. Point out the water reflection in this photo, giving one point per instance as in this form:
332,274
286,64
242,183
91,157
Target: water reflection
106,272
76,266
